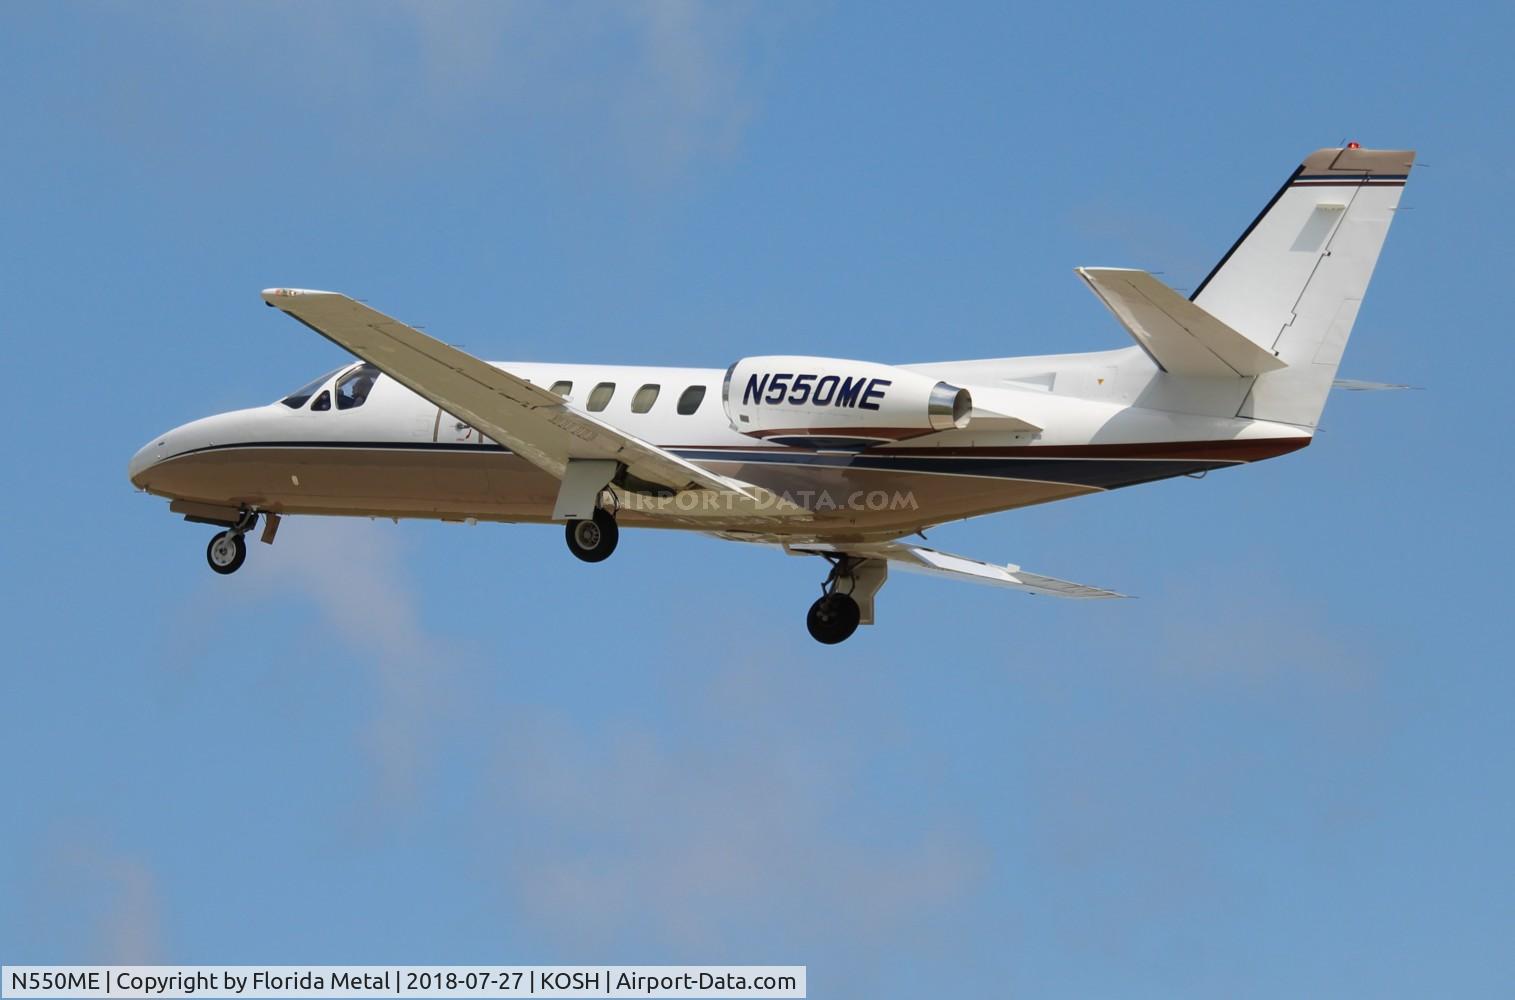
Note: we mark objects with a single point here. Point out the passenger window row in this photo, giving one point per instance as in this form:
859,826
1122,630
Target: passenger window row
352,392
600,396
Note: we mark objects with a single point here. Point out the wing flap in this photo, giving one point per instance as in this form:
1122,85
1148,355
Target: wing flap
1180,337
919,559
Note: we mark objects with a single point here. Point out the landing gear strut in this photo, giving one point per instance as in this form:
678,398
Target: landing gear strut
835,616
593,539
227,550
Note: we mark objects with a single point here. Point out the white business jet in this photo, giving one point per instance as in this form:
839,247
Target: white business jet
819,456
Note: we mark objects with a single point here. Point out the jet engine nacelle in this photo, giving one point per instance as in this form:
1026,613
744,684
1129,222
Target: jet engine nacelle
835,403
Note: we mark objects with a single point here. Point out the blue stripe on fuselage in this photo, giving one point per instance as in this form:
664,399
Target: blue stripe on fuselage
1099,473
1103,473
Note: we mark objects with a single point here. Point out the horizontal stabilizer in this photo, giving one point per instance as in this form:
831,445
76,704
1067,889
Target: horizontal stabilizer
1179,336
919,559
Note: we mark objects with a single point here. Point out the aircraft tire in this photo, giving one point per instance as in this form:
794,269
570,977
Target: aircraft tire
226,552
593,539
833,618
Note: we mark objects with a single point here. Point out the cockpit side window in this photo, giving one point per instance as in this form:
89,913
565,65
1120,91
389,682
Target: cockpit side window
323,401
353,390
300,396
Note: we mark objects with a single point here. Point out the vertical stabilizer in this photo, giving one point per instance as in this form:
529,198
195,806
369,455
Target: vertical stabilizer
1295,279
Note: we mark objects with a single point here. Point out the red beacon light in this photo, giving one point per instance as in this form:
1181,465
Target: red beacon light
1354,145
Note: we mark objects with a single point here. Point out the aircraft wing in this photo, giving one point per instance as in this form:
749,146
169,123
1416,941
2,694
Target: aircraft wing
919,559
1177,334
1358,385
534,423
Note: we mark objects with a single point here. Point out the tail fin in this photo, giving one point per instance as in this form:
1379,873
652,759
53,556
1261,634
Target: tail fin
1295,279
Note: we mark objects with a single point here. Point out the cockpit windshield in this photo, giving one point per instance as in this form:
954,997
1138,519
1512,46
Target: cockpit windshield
298,398
353,390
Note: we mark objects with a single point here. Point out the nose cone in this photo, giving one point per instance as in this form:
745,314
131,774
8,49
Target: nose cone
146,457
169,444
159,466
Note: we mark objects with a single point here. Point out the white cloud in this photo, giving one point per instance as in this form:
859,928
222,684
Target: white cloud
661,84
351,570
132,927
96,899
743,820
689,94
1238,719
650,87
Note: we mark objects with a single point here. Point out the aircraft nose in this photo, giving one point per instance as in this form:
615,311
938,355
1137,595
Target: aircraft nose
196,435
146,457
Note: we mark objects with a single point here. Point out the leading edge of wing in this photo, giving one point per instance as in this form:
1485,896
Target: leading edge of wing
533,422
343,320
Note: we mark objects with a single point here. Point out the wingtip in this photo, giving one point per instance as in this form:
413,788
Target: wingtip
274,296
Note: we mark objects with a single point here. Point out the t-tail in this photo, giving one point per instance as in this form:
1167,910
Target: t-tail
1294,281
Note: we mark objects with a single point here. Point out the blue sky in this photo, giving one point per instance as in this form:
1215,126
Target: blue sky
1285,770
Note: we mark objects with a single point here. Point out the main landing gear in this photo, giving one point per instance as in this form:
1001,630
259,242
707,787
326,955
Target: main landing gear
836,615
593,539
228,550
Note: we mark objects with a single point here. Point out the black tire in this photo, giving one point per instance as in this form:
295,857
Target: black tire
216,553
593,539
833,618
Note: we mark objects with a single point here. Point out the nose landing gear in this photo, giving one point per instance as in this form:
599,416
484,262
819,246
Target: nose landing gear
228,550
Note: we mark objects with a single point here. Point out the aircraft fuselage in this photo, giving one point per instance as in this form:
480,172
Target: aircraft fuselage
397,455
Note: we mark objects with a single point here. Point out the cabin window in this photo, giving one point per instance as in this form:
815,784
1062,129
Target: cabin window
353,390
563,388
323,401
599,396
645,397
302,395
690,399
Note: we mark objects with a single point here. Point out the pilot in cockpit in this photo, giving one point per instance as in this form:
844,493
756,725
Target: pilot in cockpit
354,390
